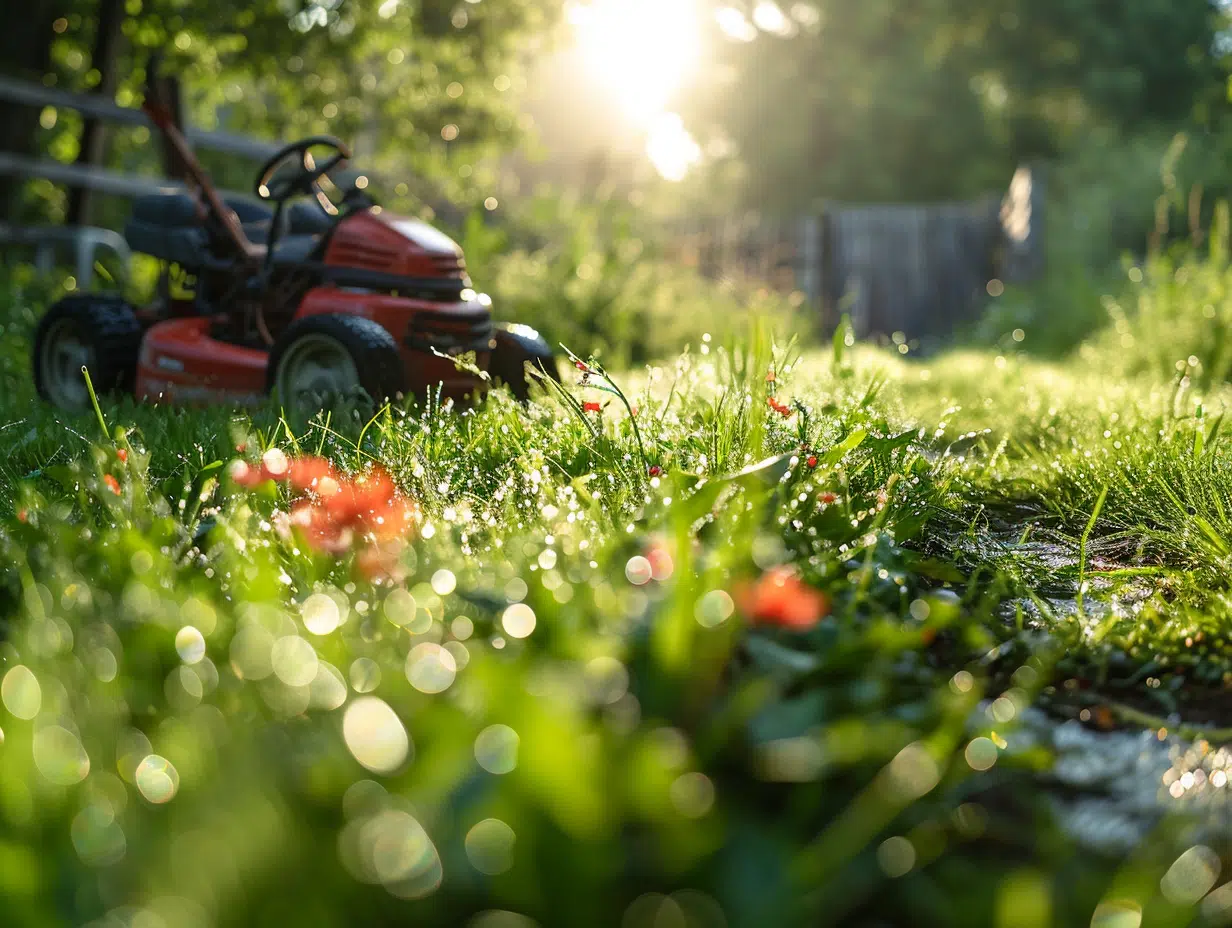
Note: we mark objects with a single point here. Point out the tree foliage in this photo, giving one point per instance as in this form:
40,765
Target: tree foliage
941,98
415,84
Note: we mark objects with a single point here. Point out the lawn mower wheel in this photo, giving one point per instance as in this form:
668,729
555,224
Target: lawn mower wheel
98,332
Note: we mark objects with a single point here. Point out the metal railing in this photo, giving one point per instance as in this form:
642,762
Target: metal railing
85,242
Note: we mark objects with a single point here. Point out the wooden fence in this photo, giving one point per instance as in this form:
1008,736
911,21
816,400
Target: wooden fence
917,269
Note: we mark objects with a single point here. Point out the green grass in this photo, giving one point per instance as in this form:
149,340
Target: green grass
969,521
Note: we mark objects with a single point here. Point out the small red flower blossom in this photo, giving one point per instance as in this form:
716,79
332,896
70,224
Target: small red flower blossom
275,464
781,408
781,599
122,454
655,470
309,473
112,484
592,407
244,475
812,460
827,498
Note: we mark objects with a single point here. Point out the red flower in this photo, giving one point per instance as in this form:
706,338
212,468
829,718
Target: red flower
827,498
781,408
122,454
309,473
655,470
112,484
812,460
243,475
592,407
779,598
275,464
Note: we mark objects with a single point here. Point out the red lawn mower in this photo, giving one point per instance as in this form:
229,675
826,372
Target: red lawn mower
310,292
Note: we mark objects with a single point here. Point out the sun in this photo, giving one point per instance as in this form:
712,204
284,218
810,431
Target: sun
641,51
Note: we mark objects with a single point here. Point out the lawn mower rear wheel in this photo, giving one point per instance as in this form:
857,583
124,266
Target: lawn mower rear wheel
98,332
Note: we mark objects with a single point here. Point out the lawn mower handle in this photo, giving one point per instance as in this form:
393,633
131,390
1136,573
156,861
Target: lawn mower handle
162,114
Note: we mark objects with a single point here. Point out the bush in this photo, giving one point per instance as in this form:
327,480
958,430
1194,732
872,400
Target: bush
1108,198
1176,315
585,277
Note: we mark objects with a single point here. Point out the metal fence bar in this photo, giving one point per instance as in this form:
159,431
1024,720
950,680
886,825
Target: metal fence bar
30,94
100,179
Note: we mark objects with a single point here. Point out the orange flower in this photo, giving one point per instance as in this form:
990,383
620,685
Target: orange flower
592,407
309,473
781,599
827,498
112,484
122,454
781,408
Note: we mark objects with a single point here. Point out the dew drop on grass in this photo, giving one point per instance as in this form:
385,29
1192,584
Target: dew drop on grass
375,735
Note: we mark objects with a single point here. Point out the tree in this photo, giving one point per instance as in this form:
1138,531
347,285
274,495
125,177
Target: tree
882,100
416,82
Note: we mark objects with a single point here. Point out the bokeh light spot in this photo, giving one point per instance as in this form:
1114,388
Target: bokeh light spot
375,735
489,846
430,668
496,749
518,620
714,608
157,779
21,692
321,614
190,644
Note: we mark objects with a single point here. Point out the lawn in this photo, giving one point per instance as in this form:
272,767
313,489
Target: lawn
765,637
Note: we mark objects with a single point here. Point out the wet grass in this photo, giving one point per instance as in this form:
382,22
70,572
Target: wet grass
577,699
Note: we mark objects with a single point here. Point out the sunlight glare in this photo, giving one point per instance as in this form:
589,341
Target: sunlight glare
670,147
642,50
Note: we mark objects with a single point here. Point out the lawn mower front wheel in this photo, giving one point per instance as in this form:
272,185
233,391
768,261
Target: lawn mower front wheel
516,346
101,334
332,359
